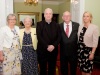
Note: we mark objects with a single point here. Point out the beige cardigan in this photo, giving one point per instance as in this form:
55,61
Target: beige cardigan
33,35
91,35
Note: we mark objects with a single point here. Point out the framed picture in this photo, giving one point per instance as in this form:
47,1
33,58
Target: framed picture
33,15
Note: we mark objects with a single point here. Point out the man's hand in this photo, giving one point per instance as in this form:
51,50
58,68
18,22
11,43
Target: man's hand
50,48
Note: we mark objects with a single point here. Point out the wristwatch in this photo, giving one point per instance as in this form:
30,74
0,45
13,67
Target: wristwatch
92,52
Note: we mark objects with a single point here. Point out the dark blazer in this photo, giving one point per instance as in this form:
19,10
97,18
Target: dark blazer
47,37
69,45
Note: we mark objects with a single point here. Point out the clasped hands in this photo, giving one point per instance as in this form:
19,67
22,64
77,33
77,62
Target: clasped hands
50,48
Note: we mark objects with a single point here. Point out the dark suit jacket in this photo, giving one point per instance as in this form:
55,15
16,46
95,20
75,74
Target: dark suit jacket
47,37
69,45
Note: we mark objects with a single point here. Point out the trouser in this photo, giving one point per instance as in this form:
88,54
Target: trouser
47,64
65,62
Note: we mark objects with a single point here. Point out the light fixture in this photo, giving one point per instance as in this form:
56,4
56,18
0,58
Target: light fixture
31,2
74,1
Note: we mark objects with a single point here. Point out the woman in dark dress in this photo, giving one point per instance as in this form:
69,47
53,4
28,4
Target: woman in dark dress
88,39
29,43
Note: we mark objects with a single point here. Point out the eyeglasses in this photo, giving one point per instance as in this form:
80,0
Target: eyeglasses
11,19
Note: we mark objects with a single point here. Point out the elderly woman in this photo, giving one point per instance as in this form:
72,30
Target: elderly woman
10,53
88,40
28,42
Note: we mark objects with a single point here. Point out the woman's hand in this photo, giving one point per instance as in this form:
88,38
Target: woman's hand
91,57
1,56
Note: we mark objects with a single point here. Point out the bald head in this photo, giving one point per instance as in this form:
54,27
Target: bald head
67,13
66,17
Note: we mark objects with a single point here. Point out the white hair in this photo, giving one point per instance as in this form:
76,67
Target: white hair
28,18
48,9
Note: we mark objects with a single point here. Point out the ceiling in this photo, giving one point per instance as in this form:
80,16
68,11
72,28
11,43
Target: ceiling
55,2
42,0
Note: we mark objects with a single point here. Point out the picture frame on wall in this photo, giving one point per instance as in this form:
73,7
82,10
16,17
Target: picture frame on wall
33,15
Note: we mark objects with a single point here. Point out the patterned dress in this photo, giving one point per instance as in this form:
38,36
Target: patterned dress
85,64
29,63
12,57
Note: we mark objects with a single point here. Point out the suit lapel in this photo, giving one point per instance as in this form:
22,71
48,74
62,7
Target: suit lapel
72,29
62,26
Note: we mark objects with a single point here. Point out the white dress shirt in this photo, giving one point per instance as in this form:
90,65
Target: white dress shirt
6,36
70,27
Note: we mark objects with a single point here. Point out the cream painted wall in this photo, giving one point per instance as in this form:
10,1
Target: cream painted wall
62,8
58,9
93,7
21,7
55,8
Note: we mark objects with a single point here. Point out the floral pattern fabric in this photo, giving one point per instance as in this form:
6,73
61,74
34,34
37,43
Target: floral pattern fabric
12,57
85,64
29,63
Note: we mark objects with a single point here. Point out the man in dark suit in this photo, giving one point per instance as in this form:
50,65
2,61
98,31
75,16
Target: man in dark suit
48,35
68,44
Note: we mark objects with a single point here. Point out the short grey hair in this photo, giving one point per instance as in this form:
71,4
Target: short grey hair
47,10
26,18
11,15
